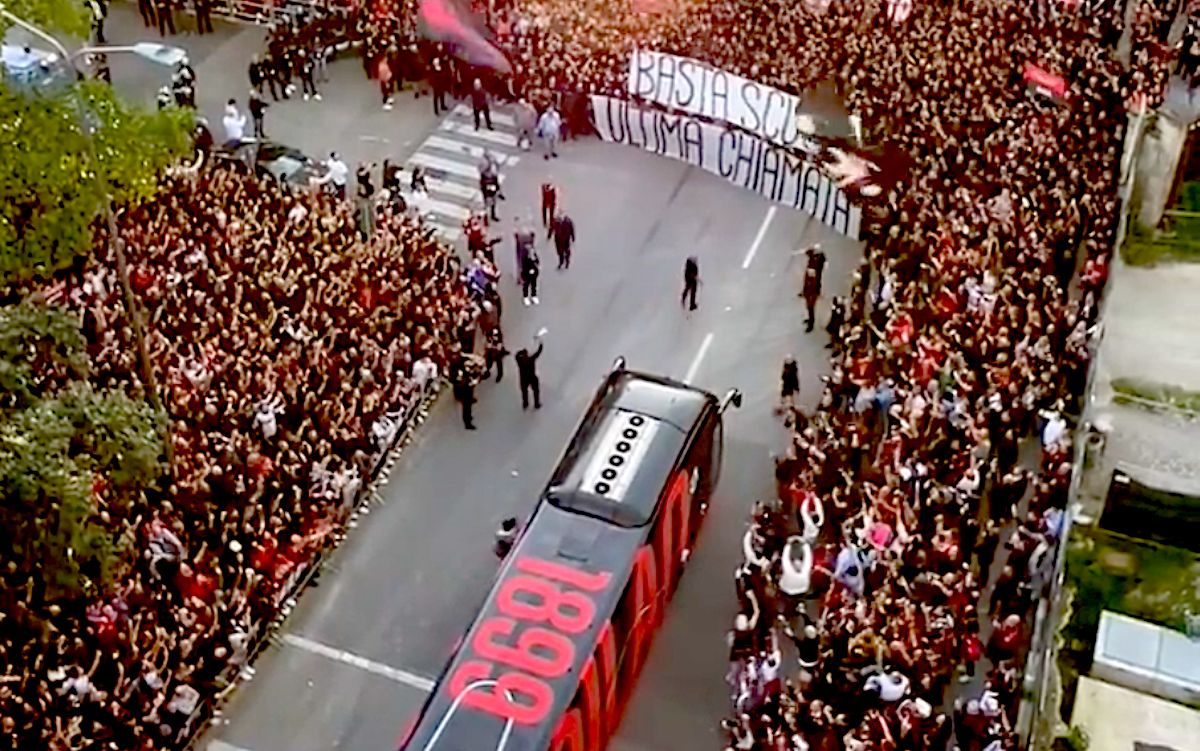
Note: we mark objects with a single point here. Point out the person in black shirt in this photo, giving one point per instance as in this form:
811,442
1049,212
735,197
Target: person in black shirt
812,283
530,270
563,230
494,352
527,374
691,282
258,109
365,189
479,105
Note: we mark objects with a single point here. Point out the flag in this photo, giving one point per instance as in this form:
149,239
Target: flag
1045,83
899,10
448,21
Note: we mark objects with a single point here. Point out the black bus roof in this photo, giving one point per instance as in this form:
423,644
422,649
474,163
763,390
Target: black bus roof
624,449
573,530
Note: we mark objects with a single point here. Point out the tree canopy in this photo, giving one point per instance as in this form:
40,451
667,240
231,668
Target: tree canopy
74,461
54,183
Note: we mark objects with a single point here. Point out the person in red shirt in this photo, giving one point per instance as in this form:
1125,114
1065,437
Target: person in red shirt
549,202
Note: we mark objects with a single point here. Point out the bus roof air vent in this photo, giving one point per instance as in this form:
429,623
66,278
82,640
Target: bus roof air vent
618,453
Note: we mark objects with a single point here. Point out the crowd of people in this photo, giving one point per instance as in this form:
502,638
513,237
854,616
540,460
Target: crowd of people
289,351
916,526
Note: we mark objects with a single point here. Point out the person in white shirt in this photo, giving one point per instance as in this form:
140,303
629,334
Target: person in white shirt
889,686
337,173
234,122
550,129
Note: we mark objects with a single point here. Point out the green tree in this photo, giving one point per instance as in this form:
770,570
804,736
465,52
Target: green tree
64,16
75,461
56,179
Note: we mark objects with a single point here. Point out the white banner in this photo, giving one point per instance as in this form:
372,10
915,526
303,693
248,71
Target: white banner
752,163
681,83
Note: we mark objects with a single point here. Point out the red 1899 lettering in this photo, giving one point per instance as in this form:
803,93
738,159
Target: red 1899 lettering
588,582
513,696
558,652
569,612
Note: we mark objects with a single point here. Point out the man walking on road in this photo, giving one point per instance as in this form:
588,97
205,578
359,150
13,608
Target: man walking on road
549,202
562,228
530,270
479,104
527,373
691,282
812,283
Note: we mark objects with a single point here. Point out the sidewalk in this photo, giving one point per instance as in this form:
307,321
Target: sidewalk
1151,335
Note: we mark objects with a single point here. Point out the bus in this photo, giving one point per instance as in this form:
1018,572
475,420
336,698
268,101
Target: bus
553,654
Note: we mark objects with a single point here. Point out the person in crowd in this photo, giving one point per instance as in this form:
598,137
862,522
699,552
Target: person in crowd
562,229
480,106
258,74
258,111
203,10
336,175
526,118
234,122
549,129
284,390
439,82
306,71
165,13
148,11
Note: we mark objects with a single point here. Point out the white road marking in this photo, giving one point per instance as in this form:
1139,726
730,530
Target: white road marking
455,146
223,746
387,671
498,118
762,232
453,167
699,358
498,137
449,187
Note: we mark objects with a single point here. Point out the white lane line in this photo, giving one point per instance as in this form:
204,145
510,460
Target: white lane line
762,232
223,746
362,663
498,137
699,358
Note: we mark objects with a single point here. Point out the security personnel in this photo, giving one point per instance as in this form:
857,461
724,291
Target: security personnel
464,376
494,352
527,374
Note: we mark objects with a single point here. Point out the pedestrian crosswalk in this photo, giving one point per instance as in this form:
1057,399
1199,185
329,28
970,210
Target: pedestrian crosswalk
450,157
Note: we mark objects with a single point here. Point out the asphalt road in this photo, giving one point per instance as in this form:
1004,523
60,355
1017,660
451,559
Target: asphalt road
354,660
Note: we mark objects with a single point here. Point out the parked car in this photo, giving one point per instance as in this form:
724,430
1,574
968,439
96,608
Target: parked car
284,163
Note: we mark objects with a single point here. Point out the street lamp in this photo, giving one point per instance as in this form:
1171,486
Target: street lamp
160,54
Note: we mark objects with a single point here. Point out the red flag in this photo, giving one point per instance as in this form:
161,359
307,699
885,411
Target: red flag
446,21
1045,83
